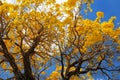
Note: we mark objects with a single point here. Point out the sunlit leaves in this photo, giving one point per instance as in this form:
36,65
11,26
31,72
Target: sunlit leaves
54,76
75,78
100,14
48,29
88,5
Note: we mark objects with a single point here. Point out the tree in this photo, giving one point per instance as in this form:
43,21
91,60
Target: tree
38,34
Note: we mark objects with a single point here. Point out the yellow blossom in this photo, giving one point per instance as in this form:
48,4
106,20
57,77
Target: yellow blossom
107,25
112,19
100,14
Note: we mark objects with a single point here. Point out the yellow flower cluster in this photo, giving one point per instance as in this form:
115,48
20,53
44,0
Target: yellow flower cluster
100,14
92,31
54,76
107,25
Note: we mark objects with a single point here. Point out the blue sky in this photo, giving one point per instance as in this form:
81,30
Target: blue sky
109,7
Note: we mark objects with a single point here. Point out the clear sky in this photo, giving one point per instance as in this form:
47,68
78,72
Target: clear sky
109,7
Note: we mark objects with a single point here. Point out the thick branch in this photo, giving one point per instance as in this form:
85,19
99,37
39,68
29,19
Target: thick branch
26,56
11,60
27,68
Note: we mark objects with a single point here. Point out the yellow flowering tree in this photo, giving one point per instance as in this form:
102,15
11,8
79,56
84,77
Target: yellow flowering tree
38,34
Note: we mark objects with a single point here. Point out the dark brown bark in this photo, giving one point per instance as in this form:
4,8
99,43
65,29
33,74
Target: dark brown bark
11,60
27,68
26,60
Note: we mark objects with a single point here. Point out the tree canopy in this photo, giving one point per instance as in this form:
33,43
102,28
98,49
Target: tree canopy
37,35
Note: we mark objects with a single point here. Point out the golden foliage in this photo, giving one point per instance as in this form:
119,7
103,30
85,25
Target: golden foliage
44,23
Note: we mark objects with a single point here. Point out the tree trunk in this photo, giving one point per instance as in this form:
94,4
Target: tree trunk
27,68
